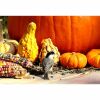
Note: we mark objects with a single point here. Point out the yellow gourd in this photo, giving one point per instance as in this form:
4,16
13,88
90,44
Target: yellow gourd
48,46
7,45
27,45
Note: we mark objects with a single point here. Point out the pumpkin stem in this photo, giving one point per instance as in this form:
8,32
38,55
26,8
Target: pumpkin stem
73,52
1,35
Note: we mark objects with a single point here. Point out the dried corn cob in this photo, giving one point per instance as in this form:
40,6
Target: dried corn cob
17,59
9,69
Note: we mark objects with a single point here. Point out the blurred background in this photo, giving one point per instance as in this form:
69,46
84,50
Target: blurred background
3,21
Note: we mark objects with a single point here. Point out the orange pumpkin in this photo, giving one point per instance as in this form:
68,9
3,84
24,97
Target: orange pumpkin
68,33
73,60
93,57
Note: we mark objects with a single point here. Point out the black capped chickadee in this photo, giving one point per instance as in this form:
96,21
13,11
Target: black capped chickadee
48,63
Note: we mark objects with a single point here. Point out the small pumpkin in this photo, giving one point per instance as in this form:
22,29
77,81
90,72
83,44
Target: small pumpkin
93,57
48,46
73,60
28,47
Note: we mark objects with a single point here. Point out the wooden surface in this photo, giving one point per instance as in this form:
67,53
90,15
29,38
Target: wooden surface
87,78
38,80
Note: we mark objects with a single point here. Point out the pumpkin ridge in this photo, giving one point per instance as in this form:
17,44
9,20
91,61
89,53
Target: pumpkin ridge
68,61
93,57
71,42
91,33
96,60
75,63
54,30
78,60
81,58
72,36
71,33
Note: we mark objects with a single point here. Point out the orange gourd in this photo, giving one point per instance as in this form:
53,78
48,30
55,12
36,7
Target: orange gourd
68,33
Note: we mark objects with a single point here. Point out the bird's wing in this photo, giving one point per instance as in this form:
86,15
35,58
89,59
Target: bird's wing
47,64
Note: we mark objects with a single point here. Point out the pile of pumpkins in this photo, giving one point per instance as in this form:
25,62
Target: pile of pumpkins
72,38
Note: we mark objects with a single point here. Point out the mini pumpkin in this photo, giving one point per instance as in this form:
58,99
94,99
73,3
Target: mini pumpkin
48,46
93,57
73,60
28,47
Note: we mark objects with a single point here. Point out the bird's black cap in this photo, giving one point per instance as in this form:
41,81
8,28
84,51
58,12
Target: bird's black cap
50,53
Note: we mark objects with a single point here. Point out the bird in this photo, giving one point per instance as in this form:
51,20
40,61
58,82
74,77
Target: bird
48,63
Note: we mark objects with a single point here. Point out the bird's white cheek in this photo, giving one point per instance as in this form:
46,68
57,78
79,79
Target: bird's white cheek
51,57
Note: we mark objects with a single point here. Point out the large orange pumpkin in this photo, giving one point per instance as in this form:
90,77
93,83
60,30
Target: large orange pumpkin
68,33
